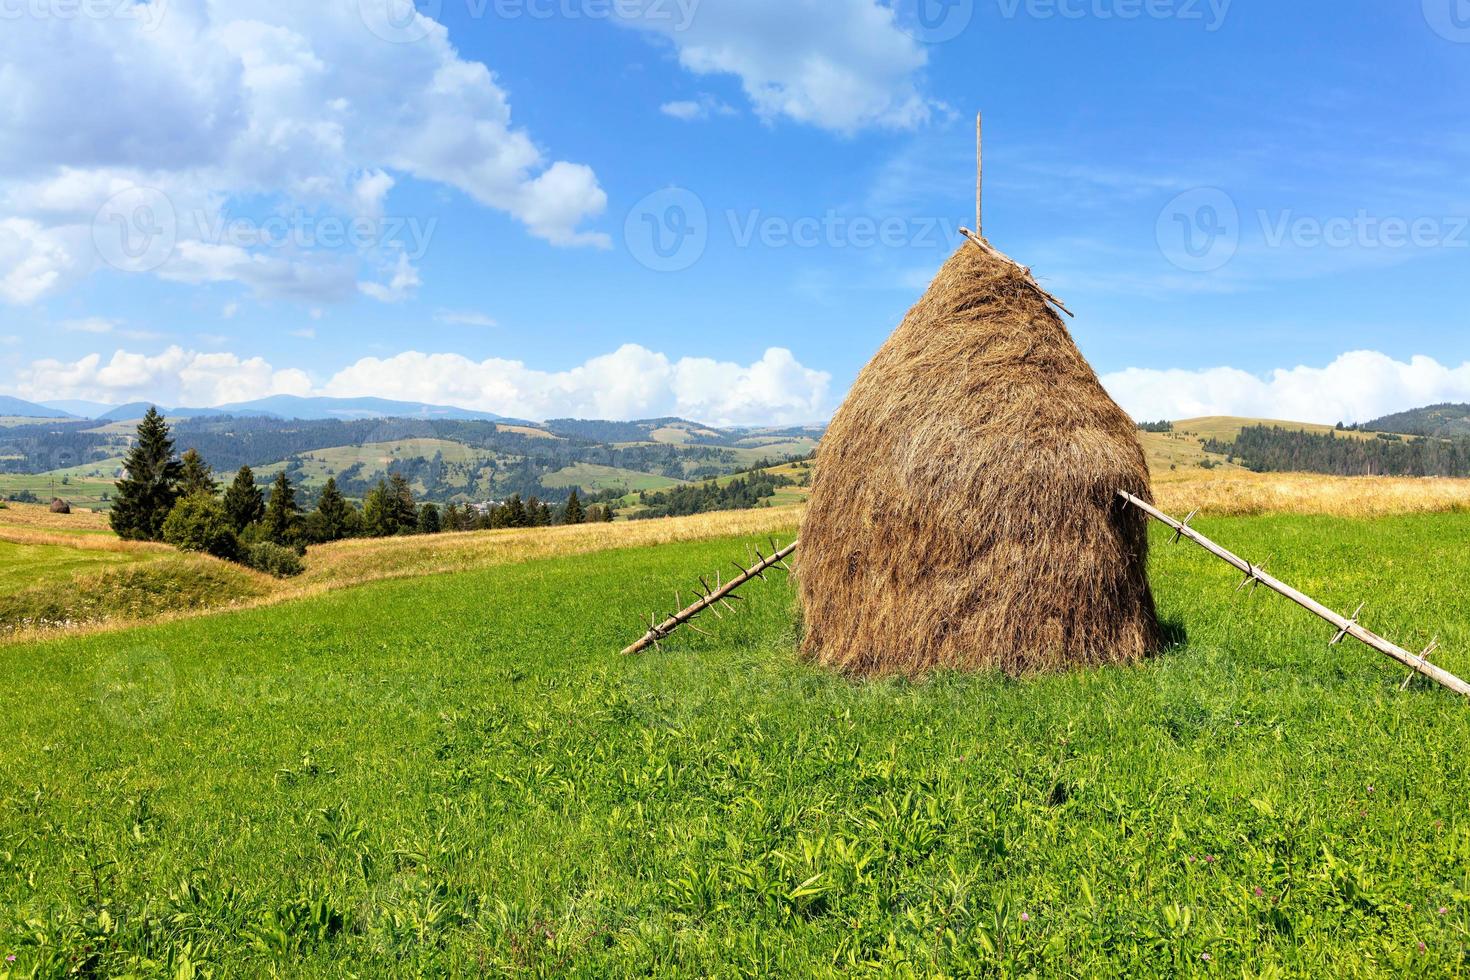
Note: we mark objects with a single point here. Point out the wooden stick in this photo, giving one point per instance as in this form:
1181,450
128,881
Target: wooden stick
990,249
1420,664
659,631
979,173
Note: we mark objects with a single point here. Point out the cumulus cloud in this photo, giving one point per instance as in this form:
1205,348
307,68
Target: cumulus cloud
631,382
1357,387
466,318
174,377
841,65
691,110
220,105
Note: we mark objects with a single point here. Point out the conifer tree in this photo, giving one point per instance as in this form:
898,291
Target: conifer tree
196,476
515,512
401,504
244,502
334,513
429,521
573,513
377,517
281,511
148,491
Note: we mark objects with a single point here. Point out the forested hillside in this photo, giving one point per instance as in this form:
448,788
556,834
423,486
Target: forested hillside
1275,450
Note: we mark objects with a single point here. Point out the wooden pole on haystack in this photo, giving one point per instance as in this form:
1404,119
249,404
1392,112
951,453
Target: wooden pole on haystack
1255,575
979,173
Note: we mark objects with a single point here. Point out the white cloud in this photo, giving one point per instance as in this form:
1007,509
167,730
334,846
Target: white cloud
466,318
691,110
174,377
305,333
1357,387
842,65
402,284
631,382
274,104
91,324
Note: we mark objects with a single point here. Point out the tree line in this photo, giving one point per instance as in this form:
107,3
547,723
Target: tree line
1275,450
177,499
741,493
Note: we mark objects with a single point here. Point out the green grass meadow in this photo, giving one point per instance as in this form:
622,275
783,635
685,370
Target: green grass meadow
460,776
24,566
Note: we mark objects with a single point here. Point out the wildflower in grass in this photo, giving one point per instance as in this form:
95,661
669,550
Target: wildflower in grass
1210,859
1370,790
1423,948
1206,957
1260,892
1025,916
1443,910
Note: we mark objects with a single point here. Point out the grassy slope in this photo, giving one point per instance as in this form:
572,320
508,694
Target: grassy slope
592,477
458,773
26,565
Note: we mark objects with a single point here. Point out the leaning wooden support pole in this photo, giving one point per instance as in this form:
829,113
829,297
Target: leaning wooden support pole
1254,575
713,597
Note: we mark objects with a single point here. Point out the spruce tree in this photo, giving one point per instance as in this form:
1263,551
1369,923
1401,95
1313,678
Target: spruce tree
334,517
573,513
244,502
377,517
515,512
281,512
148,491
196,476
429,521
401,504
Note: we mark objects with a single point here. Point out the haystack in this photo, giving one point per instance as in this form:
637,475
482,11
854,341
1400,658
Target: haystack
964,511
59,506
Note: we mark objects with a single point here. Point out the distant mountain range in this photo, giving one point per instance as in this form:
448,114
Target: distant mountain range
277,406
30,410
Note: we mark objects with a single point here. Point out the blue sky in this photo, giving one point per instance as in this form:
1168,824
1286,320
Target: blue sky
507,163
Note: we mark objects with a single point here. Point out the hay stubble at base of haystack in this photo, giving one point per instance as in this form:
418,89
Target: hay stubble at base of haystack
964,511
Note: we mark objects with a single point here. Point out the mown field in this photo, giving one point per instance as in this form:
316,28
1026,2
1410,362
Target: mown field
456,774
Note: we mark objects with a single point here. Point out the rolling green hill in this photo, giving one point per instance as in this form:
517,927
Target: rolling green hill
458,775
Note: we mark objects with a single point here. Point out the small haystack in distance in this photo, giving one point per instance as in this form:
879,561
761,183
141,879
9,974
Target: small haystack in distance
59,506
964,509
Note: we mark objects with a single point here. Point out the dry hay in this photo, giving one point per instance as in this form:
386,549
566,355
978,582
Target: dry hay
59,506
963,510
